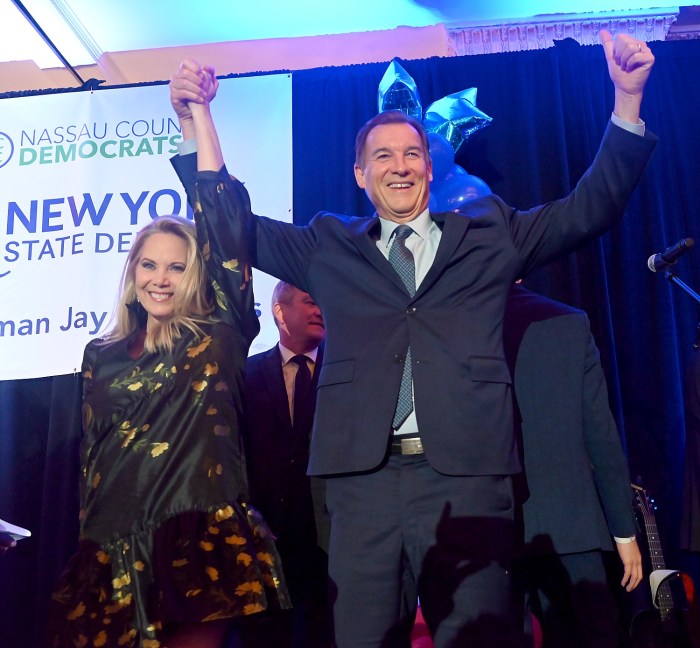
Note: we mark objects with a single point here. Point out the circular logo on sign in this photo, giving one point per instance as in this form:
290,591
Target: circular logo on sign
7,148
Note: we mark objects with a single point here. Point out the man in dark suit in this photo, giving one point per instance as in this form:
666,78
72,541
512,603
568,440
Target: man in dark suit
276,441
575,489
413,426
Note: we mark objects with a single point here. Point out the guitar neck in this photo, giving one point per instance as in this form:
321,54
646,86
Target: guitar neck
655,551
664,597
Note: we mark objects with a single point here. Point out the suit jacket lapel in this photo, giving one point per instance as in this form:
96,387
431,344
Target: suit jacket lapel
454,228
365,237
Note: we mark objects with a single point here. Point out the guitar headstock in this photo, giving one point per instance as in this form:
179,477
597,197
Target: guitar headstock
642,501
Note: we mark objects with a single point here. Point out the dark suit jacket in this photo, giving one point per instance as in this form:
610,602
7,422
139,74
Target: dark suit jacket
573,457
277,458
453,323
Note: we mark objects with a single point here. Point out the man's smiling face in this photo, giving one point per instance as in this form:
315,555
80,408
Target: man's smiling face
395,172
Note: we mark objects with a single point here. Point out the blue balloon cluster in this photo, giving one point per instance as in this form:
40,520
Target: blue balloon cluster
452,187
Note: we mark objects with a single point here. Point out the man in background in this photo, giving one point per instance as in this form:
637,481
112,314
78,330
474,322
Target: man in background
280,397
575,490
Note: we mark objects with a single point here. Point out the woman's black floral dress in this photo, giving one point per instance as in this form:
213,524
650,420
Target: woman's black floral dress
166,532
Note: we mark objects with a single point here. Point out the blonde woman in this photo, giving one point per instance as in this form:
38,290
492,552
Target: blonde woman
169,548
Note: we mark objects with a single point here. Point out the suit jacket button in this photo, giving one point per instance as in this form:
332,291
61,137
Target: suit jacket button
411,310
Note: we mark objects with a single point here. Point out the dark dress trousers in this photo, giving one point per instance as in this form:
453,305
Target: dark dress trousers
462,384
575,489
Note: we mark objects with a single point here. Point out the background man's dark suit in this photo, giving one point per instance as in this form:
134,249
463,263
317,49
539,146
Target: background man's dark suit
576,486
277,456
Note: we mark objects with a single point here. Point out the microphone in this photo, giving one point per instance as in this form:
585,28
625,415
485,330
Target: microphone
670,255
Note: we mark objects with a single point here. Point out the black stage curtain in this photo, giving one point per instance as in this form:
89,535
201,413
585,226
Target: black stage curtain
549,110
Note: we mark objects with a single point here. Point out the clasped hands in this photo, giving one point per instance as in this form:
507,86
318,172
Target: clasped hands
192,83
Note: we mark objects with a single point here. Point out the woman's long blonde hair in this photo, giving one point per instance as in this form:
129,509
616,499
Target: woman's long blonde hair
192,303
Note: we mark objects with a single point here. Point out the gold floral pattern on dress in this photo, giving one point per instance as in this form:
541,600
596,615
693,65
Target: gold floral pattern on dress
232,265
200,385
158,449
252,608
76,612
219,295
239,582
149,381
119,604
222,430
131,433
250,586
194,351
121,581
223,513
211,369
206,251
127,637
215,471
212,468
244,559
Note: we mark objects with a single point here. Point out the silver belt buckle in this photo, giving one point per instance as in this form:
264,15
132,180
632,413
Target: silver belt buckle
412,446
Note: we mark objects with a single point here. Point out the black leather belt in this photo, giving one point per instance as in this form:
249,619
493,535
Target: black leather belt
406,445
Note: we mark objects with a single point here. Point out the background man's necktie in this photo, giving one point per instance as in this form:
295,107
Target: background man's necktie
402,260
302,383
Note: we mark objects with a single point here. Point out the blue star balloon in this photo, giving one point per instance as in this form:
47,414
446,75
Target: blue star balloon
398,91
456,117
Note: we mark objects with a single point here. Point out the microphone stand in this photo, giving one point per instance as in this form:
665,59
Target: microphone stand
673,278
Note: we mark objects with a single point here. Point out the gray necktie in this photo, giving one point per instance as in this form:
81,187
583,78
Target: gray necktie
402,261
